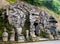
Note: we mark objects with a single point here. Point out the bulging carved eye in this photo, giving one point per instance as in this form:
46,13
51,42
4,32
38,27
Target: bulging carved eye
33,14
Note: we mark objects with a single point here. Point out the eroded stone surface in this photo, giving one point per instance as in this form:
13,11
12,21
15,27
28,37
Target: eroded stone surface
17,18
5,35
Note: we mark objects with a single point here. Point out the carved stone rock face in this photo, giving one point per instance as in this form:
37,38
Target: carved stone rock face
15,20
44,19
34,17
16,17
18,14
5,35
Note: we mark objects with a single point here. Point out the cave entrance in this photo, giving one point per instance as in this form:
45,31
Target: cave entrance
36,24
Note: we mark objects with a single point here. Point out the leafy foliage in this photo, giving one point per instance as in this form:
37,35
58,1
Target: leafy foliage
52,4
12,1
4,22
56,5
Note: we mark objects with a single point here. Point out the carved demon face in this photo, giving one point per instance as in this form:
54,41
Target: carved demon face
14,20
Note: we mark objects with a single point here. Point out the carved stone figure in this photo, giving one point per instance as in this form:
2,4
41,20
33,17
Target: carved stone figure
17,19
27,34
5,35
34,19
38,19
12,36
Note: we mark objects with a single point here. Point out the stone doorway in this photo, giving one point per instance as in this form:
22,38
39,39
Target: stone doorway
36,24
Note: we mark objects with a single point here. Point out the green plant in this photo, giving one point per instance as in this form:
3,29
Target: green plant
52,4
11,1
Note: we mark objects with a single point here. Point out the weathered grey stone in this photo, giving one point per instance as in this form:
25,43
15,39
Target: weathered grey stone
5,35
27,34
17,18
34,15
21,38
12,36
